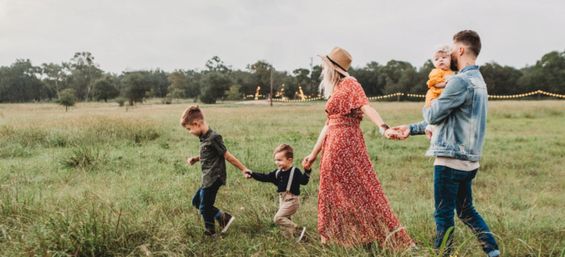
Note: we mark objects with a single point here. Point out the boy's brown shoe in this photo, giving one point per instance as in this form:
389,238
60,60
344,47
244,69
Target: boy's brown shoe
225,222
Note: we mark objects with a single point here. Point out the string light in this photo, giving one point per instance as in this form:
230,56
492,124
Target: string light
398,94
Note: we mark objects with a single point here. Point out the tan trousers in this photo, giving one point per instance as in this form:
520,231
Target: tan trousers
288,205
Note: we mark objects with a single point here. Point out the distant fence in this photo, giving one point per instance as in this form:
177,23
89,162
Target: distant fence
399,94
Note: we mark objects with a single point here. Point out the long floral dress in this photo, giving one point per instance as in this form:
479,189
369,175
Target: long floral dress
352,207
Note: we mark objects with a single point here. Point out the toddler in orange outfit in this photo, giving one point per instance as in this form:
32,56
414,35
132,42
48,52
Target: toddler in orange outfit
438,76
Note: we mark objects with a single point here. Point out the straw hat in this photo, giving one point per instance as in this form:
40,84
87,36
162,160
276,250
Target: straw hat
339,59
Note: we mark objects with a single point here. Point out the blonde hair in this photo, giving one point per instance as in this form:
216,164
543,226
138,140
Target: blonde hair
442,49
330,78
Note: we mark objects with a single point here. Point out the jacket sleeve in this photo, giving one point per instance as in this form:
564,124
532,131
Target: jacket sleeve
418,128
268,177
452,97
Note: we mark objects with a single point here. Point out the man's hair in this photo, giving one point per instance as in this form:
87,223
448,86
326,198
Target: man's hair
471,39
191,114
287,149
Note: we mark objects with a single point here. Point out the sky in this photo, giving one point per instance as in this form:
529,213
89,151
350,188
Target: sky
126,35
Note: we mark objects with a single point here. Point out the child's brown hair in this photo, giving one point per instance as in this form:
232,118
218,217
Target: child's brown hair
191,114
287,149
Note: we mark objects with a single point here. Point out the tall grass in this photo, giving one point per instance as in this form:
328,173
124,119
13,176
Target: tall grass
99,181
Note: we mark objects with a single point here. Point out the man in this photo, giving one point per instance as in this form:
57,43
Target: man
460,118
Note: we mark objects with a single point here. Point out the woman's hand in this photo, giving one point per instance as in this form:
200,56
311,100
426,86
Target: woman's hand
308,161
403,132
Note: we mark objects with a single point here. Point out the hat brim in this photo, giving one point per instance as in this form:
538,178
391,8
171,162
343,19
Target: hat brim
337,68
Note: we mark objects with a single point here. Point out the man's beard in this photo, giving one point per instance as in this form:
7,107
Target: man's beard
453,65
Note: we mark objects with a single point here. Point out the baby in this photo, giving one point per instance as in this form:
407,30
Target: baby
437,79
438,76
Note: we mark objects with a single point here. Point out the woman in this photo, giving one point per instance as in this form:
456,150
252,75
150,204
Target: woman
352,207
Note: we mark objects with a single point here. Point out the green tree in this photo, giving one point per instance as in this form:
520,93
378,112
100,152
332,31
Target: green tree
83,73
501,80
20,83
158,83
135,86
67,98
217,65
214,86
178,84
547,74
400,76
54,77
371,78
315,79
234,93
421,86
105,88
261,70
300,78
247,81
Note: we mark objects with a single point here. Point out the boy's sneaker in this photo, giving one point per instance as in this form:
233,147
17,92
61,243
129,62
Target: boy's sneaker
301,235
225,222
210,233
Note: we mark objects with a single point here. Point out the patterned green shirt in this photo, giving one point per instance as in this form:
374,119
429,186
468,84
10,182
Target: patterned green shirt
212,150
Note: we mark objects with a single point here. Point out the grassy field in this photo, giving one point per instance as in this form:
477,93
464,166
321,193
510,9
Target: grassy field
100,181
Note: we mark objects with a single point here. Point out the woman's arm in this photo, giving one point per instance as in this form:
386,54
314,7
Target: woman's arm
320,141
373,115
308,160
376,118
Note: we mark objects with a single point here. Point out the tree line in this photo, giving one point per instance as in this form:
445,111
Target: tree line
81,79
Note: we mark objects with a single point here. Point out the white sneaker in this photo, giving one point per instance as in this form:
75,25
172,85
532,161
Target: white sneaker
301,234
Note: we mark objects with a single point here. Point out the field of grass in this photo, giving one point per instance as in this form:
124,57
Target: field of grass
100,181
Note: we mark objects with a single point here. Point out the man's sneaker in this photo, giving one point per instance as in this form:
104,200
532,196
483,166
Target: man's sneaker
301,235
226,221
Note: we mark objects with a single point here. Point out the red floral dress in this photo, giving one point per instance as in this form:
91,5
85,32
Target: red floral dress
352,207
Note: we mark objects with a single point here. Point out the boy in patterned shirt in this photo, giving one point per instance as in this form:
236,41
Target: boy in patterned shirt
213,154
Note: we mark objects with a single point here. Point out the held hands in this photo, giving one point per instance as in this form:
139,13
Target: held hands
398,133
308,161
391,134
247,173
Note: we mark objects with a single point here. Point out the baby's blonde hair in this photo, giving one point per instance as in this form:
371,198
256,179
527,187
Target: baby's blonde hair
442,49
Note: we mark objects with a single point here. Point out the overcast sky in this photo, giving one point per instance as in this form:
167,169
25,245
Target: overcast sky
180,34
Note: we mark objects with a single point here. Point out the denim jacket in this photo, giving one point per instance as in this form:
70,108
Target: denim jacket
460,115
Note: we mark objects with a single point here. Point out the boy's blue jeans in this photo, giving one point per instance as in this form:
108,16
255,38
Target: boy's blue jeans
453,190
204,200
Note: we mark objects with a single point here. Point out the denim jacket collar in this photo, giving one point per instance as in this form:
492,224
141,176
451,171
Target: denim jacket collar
469,67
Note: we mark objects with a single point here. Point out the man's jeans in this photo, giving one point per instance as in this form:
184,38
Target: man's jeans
204,200
453,190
